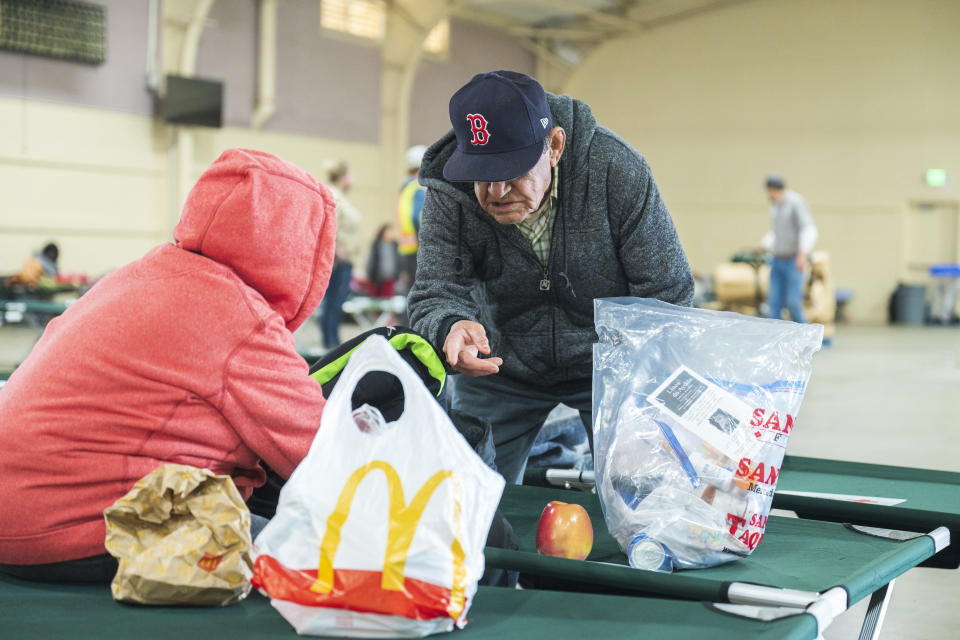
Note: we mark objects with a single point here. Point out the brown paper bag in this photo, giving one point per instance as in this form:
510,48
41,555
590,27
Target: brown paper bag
181,536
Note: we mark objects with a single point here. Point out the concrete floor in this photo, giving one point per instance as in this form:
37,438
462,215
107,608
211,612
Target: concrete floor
879,394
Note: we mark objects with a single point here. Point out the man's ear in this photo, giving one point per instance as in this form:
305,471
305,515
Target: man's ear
558,140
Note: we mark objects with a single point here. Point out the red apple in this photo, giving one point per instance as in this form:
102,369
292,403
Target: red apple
564,531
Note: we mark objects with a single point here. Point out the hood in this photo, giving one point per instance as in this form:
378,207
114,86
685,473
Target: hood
569,113
270,222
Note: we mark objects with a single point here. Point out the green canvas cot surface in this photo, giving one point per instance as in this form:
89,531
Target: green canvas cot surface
38,611
805,555
931,498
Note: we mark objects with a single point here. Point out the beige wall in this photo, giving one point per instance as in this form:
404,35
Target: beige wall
852,101
93,180
82,161
474,49
312,154
100,182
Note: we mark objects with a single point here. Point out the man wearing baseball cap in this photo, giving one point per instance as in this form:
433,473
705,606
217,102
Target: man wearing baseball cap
532,211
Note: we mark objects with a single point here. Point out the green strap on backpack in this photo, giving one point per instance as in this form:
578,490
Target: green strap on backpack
412,347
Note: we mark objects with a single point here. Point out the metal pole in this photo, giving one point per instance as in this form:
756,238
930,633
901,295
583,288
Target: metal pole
876,611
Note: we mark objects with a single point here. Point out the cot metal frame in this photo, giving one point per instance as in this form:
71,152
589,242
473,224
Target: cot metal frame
368,312
770,603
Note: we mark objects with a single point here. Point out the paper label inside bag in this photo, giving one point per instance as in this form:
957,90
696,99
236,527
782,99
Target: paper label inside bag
716,416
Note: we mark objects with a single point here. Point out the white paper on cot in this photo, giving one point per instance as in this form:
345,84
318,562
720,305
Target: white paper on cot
843,497
708,411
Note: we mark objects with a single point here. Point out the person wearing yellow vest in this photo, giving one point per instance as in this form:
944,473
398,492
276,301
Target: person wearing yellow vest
409,208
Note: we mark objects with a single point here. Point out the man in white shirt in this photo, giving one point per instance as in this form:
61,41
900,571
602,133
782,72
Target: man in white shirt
790,240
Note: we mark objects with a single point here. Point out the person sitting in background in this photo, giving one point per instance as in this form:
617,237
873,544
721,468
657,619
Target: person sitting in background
184,356
48,259
409,209
42,264
340,181
382,263
790,240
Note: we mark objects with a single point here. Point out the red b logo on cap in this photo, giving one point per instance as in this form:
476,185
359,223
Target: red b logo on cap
478,126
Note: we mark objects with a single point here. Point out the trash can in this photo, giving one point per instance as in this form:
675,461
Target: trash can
909,304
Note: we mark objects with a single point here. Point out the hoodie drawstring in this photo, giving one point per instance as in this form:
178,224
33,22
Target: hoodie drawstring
458,260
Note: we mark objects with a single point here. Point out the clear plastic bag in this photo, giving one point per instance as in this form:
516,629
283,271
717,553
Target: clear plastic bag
692,413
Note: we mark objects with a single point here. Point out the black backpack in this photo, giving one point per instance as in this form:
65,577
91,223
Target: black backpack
380,389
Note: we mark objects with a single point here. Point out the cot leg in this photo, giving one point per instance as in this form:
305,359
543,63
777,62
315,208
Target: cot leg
876,610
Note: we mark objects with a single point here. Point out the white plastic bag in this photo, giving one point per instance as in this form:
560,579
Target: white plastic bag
380,530
692,413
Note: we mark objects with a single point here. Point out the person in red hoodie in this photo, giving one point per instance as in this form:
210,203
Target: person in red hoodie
183,356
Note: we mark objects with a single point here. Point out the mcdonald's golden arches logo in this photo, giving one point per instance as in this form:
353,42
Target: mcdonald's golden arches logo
403,521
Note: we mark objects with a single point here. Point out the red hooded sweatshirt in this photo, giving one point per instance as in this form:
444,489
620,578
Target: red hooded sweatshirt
184,356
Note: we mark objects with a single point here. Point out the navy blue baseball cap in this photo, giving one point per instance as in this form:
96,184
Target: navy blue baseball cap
500,119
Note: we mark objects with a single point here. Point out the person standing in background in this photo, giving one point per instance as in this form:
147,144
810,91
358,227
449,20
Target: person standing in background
340,181
790,240
382,263
409,208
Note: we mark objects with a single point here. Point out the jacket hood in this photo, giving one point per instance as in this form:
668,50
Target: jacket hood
574,116
270,222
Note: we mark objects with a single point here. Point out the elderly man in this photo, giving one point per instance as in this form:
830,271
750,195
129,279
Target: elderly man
532,211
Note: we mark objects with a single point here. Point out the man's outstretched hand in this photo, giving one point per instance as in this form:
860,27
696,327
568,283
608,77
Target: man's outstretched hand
463,346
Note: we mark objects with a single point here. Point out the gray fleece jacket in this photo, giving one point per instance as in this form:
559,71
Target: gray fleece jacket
612,236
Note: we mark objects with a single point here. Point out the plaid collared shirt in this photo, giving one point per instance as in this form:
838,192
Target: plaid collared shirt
538,227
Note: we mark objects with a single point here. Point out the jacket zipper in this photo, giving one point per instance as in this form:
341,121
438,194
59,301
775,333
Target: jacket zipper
546,284
554,237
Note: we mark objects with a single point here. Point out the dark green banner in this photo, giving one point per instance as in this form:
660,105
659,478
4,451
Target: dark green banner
61,29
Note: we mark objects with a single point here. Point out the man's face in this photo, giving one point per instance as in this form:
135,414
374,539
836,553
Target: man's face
512,201
775,195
